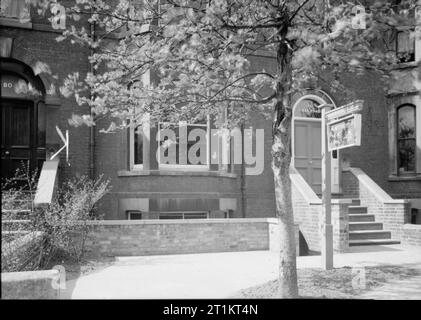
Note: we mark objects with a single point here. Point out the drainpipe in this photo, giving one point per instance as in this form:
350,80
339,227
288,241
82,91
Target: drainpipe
243,177
92,128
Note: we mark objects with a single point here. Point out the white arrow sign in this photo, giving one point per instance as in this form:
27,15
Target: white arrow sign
66,144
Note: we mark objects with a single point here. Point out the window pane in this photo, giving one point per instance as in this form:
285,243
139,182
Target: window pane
308,108
138,145
406,122
406,155
16,9
405,47
197,147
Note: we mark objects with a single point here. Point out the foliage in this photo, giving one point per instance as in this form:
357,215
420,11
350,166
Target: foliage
200,52
46,234
198,56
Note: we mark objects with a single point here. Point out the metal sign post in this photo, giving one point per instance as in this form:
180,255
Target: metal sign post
327,228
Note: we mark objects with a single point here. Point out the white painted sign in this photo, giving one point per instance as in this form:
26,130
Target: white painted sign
344,133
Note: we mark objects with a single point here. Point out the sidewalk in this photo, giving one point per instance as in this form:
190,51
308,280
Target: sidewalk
220,275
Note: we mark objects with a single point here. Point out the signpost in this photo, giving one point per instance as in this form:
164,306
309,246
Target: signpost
341,128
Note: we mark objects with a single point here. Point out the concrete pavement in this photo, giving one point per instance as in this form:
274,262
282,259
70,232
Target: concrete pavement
215,275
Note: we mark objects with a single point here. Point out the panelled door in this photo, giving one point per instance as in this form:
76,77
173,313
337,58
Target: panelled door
307,145
308,155
18,138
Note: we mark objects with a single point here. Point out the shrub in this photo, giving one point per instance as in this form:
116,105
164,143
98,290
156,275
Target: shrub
56,231
65,221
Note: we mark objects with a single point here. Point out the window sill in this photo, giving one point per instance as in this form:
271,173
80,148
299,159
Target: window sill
406,65
8,22
404,178
136,173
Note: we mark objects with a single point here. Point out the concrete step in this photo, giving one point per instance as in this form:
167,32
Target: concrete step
369,235
359,226
357,209
356,202
361,217
15,224
354,243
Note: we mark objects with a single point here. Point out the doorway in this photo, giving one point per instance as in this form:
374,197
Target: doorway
18,138
306,143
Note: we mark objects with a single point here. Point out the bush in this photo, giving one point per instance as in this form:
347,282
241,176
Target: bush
65,221
54,232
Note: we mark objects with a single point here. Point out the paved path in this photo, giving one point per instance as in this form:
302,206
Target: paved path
220,275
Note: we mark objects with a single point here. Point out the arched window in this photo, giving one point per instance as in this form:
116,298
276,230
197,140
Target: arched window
308,108
406,139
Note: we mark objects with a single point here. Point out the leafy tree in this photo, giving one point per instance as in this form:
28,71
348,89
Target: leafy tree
199,52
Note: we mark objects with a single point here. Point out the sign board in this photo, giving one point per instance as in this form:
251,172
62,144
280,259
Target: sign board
346,110
344,133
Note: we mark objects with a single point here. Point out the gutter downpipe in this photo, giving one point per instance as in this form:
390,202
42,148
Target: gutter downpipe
92,128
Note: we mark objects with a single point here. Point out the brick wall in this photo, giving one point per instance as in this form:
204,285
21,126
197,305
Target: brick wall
154,237
392,213
308,215
411,235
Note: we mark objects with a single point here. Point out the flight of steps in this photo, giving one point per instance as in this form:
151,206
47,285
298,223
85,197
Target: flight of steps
16,222
364,230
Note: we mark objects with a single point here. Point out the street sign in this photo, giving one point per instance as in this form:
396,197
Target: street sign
344,133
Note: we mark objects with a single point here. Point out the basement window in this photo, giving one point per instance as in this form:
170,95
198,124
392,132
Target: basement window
183,215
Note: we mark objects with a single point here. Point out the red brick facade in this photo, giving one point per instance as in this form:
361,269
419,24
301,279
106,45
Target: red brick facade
251,197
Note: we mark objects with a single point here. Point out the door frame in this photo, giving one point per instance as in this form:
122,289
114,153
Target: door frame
314,96
33,127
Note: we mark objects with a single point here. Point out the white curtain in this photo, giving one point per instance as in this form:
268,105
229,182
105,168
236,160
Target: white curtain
16,9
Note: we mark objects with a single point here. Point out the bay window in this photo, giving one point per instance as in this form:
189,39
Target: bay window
183,145
168,146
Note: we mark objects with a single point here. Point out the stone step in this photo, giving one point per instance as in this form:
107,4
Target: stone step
359,226
357,209
369,235
15,224
372,242
361,217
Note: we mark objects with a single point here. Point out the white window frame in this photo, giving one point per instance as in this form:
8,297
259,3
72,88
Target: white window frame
393,139
21,18
187,167
417,41
146,131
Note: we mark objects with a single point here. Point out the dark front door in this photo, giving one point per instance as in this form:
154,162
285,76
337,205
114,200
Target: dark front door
18,138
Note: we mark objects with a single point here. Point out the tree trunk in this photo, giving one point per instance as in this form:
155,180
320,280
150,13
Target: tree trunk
281,159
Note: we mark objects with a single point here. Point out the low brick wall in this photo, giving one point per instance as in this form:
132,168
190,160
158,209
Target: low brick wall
411,235
308,215
155,237
30,285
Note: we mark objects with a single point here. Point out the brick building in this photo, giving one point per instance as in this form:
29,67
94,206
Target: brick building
144,188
